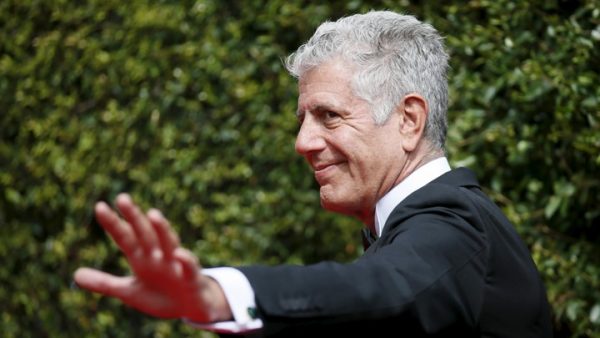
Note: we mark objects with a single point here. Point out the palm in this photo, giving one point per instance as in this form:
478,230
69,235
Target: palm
166,281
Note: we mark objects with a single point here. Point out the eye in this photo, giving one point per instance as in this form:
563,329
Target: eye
329,115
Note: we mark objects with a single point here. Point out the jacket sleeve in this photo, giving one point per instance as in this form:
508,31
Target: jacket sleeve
429,267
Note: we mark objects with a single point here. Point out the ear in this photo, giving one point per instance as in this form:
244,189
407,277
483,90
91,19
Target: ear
413,115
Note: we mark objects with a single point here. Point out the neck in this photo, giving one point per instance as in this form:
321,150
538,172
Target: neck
414,161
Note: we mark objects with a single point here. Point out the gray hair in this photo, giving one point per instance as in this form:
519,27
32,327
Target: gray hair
395,55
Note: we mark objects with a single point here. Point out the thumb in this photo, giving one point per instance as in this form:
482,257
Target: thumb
103,283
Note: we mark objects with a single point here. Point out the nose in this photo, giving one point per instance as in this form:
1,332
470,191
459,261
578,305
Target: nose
309,138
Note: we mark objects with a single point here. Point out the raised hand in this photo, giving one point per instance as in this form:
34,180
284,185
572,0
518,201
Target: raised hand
167,281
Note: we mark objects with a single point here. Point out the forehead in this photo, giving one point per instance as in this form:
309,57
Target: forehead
329,84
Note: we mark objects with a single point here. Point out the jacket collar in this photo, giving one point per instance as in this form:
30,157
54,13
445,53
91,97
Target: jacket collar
459,177
416,180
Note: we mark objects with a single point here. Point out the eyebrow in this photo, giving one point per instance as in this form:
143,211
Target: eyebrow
317,107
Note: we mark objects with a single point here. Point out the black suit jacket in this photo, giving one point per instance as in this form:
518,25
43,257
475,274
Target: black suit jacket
448,264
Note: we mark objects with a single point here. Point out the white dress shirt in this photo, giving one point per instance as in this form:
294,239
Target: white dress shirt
237,288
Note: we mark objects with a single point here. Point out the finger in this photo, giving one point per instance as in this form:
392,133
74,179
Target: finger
120,231
189,263
139,223
104,283
167,238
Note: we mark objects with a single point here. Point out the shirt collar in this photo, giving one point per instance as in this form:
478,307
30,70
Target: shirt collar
417,179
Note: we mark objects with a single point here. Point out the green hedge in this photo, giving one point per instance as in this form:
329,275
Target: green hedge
186,105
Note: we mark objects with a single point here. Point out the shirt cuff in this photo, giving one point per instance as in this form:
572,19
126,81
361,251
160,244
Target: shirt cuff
240,296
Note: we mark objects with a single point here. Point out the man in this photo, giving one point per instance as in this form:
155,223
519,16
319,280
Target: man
372,112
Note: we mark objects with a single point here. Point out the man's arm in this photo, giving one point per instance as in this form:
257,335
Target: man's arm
167,281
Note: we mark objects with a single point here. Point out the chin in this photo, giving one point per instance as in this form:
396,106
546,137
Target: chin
337,206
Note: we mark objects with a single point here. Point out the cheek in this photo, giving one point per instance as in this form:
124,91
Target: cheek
365,161
362,151
373,166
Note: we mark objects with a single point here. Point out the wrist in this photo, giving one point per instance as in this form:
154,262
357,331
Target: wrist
210,305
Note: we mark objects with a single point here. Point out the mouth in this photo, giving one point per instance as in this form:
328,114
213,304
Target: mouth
319,167
323,171
323,166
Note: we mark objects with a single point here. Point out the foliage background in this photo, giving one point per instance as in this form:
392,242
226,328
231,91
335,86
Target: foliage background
185,104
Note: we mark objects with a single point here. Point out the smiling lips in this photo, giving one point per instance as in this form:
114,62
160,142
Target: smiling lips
322,171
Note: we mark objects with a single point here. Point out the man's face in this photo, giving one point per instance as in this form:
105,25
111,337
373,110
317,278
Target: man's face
354,160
